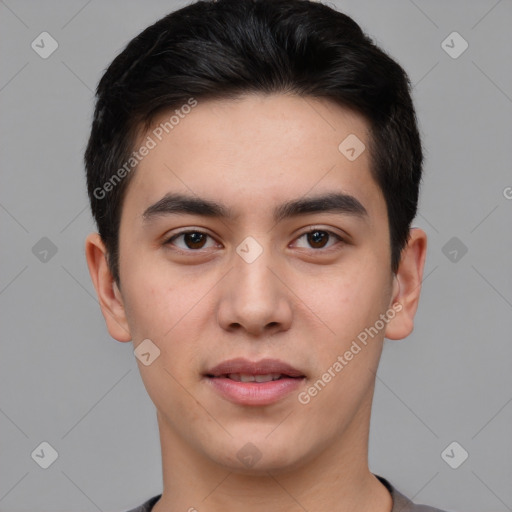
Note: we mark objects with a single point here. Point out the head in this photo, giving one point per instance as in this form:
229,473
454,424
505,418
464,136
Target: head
244,106
228,48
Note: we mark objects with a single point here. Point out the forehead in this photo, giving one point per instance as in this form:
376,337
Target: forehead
254,151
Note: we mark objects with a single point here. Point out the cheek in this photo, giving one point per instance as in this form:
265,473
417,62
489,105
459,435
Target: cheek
153,297
350,299
164,314
350,304
171,311
144,308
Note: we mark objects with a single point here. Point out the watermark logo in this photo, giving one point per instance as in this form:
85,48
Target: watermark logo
454,45
146,352
44,250
454,455
351,147
44,455
249,455
249,249
454,249
44,45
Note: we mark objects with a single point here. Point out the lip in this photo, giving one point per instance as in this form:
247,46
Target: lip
254,393
261,367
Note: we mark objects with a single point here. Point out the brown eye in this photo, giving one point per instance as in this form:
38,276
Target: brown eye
192,240
319,238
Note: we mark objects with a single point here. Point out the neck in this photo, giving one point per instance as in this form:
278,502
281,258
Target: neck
337,478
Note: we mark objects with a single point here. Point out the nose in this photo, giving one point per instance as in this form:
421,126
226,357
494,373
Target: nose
254,298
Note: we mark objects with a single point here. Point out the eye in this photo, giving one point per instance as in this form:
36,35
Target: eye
195,240
192,240
319,238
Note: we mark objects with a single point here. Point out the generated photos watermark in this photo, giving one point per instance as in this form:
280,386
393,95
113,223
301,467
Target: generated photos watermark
305,397
151,141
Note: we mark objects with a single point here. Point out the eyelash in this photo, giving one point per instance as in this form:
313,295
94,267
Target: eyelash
197,231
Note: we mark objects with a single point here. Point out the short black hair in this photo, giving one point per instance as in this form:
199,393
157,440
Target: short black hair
227,48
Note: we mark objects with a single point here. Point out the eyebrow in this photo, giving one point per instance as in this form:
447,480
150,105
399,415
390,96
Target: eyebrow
328,203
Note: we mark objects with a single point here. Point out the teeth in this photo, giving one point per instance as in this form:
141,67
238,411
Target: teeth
267,378
254,378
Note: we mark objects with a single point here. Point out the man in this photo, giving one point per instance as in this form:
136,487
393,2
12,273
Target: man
254,169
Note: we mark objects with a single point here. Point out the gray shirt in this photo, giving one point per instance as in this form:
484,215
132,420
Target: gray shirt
400,502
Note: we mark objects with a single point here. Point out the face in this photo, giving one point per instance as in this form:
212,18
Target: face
296,286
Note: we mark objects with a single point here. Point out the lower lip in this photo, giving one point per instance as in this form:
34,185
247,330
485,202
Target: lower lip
254,393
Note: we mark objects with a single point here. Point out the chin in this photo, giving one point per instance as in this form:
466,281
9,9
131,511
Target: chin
258,456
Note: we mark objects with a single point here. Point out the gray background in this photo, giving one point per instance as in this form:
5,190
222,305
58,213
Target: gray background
63,380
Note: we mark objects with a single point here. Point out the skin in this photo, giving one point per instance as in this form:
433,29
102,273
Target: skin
298,302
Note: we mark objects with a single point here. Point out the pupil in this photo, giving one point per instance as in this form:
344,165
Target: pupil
317,237
193,239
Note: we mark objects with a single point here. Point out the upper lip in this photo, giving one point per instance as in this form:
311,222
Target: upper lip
246,367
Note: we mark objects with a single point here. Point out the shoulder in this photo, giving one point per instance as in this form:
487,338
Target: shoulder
147,506
403,504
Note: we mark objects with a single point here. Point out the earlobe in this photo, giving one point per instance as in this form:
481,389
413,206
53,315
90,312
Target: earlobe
109,296
407,285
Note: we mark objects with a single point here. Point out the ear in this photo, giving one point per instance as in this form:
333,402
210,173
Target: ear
407,286
109,296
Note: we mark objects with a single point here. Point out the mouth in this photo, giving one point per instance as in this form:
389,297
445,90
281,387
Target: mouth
245,377
262,382
241,367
